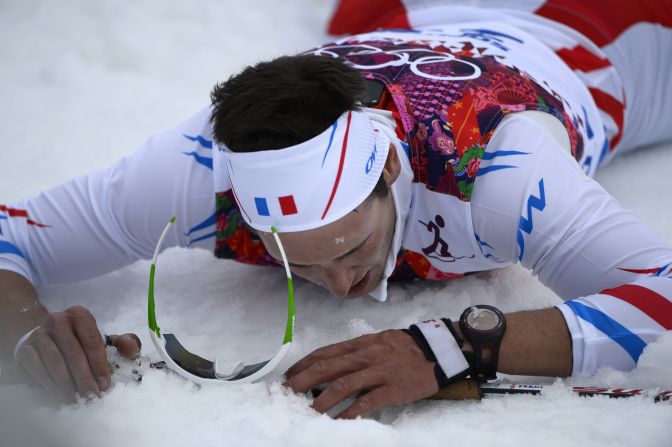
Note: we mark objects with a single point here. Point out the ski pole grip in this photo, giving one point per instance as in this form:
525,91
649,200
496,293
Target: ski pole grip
463,389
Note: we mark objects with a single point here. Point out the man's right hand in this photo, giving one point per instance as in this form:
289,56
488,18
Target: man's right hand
68,353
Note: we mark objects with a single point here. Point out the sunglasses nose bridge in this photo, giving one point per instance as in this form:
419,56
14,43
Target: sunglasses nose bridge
233,372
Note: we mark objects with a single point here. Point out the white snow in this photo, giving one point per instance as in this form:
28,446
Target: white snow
82,83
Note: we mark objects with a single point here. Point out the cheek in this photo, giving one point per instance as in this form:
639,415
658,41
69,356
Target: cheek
371,253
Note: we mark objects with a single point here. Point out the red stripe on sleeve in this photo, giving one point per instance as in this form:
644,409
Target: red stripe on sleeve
579,58
602,21
356,16
14,212
37,224
613,108
641,271
656,306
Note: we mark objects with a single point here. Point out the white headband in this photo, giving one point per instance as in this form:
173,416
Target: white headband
315,182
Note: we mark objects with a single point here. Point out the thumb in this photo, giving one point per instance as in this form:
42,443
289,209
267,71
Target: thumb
128,345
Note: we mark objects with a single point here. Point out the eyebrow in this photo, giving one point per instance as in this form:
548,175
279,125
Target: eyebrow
340,257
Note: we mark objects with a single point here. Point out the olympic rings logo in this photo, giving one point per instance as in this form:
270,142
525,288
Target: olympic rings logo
403,57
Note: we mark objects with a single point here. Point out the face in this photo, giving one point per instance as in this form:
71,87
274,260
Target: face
346,257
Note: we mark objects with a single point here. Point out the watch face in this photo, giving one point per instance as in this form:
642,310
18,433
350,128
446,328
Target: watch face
482,319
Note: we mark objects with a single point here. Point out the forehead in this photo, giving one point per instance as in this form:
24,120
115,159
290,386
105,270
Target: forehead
323,244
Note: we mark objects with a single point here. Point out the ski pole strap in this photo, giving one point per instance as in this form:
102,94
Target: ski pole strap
439,342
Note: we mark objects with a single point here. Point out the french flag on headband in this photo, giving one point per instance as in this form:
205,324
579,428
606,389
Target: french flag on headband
287,205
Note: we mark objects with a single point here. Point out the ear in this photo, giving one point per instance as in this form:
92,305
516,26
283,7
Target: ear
392,166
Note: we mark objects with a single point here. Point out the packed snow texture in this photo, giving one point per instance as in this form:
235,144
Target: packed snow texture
82,83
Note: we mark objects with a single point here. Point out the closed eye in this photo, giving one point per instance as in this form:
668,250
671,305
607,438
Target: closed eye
350,252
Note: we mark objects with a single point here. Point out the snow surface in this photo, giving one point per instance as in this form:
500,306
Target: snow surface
84,82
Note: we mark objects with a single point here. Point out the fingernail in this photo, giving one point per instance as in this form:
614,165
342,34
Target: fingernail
103,383
137,340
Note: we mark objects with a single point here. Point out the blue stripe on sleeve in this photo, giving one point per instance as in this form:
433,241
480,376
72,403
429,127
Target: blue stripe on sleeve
201,140
502,153
205,161
209,221
206,236
632,344
6,247
492,168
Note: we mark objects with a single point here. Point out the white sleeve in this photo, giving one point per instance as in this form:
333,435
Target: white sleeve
107,219
532,203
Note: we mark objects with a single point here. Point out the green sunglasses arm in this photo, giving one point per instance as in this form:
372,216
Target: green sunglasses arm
291,310
150,305
151,313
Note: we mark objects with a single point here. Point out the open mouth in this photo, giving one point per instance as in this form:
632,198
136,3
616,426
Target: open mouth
360,286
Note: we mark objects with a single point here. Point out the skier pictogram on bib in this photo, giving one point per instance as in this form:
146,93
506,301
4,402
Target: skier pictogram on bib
439,249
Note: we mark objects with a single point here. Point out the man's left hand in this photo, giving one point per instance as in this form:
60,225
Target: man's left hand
386,368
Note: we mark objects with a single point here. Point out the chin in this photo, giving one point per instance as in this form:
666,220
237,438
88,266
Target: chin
356,295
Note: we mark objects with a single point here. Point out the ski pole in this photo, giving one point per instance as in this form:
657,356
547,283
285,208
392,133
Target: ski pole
470,389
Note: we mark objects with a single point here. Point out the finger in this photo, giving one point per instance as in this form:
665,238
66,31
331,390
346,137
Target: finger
55,364
128,345
93,346
29,359
330,351
323,371
326,370
77,363
368,403
346,386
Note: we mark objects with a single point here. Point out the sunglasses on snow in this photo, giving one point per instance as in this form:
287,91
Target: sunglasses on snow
198,369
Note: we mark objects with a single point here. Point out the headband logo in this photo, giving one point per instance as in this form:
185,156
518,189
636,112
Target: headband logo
287,205
371,160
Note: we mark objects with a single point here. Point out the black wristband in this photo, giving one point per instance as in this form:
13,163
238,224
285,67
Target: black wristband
441,379
417,336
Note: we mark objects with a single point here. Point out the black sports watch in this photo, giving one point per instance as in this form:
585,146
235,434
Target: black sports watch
483,326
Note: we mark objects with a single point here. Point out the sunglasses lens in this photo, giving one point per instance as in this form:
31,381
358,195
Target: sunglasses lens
191,363
199,366
248,370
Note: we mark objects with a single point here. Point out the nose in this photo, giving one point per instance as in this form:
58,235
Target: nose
338,279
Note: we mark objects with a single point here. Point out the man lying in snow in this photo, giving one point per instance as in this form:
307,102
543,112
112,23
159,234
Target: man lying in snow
426,153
